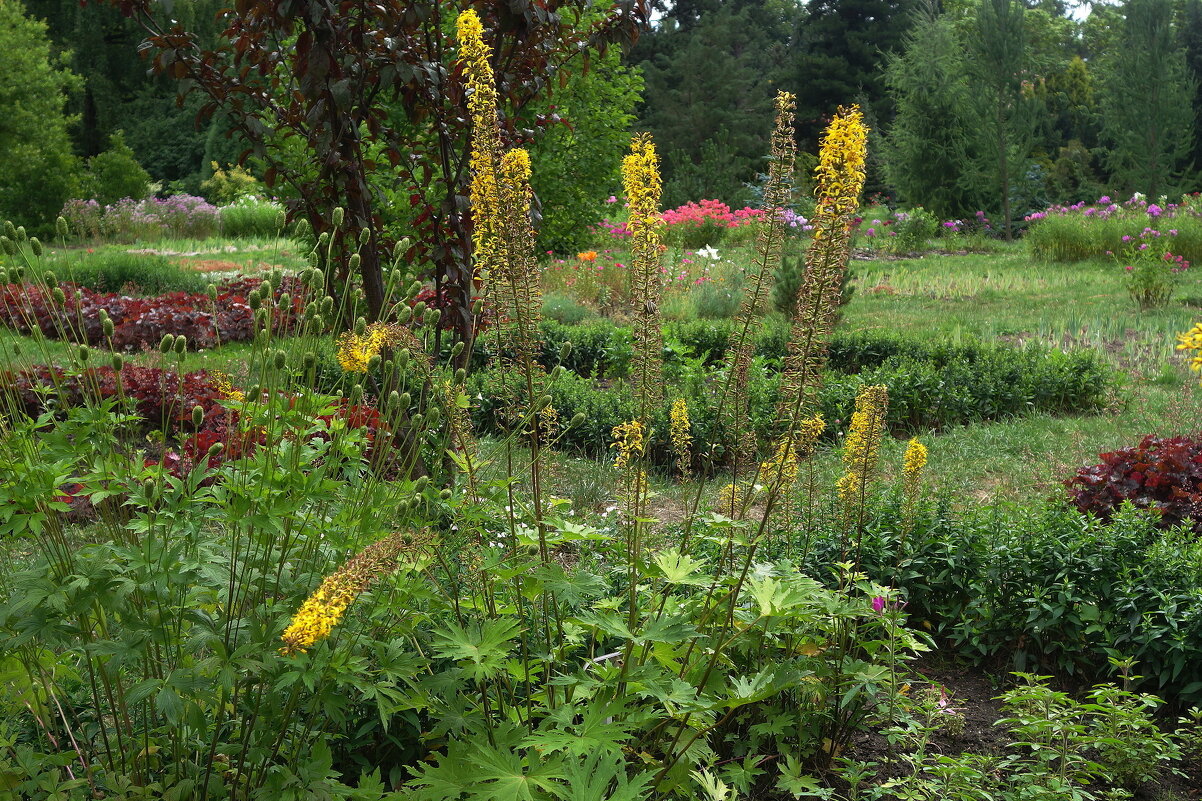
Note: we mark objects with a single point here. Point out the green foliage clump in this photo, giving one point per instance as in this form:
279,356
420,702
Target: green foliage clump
564,309
115,174
229,184
250,217
576,161
38,172
123,271
1052,590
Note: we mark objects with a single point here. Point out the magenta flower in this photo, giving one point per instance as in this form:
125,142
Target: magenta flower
878,604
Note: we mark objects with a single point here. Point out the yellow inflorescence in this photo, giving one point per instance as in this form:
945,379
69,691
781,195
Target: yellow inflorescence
808,433
782,464
355,351
730,500
222,382
861,450
320,613
1192,340
486,141
681,432
840,171
630,440
640,178
914,460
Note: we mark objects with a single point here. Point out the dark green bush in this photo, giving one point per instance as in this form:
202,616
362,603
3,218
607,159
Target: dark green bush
930,387
119,270
249,218
1047,589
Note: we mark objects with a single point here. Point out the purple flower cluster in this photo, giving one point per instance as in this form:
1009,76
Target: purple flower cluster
182,216
1106,207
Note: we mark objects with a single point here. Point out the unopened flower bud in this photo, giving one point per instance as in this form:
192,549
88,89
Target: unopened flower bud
338,216
212,292
324,239
577,419
445,494
314,260
364,236
50,278
254,301
460,376
373,364
198,416
107,326
402,358
457,349
35,245
419,486
166,343
10,247
355,261
60,226
181,345
21,235
432,317
361,326
148,487
216,448
281,359
281,220
117,362
84,353
59,296
356,394
565,350
309,361
394,399
433,417
417,420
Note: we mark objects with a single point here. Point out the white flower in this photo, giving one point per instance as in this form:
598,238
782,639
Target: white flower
708,252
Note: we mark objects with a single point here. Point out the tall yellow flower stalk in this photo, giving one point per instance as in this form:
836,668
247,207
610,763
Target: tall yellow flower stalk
322,611
840,179
769,237
640,177
862,449
913,464
680,431
515,279
482,103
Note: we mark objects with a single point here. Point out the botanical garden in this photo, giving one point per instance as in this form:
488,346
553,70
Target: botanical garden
711,399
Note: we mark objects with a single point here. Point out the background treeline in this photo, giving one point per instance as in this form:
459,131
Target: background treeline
994,105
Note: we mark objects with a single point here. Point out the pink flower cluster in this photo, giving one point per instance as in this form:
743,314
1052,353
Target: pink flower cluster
715,211
1106,207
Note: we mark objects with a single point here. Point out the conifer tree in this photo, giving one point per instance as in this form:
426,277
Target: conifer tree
1147,99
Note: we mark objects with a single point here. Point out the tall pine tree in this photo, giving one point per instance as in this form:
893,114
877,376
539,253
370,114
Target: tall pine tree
1147,97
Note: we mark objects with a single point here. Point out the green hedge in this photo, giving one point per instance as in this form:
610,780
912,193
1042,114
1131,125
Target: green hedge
930,387
1045,589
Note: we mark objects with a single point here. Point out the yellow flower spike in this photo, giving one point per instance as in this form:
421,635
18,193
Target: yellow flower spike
912,466
641,180
322,611
780,469
681,433
482,103
630,440
840,171
861,450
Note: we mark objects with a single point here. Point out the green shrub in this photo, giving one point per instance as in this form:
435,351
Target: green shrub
1048,588
563,309
717,301
914,229
930,387
251,217
120,270
116,174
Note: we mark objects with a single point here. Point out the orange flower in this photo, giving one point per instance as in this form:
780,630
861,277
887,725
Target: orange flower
588,255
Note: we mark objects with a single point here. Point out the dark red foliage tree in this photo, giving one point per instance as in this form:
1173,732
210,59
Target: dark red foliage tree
328,78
